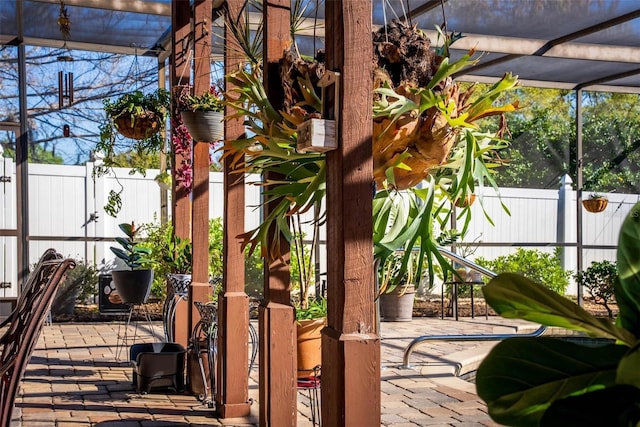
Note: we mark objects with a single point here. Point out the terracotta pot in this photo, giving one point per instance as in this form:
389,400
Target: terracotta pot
204,126
397,305
133,286
309,345
140,127
595,205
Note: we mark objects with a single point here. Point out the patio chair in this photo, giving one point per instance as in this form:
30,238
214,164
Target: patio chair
24,329
48,255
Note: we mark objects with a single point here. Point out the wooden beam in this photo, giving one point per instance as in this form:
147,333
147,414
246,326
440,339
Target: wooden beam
232,393
350,346
200,290
277,322
180,205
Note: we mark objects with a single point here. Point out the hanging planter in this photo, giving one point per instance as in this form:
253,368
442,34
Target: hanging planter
138,126
203,114
595,203
204,126
466,201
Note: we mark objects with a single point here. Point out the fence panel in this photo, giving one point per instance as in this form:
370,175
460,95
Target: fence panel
67,212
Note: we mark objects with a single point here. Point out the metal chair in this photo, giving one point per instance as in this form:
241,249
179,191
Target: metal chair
311,385
48,255
207,327
179,289
24,329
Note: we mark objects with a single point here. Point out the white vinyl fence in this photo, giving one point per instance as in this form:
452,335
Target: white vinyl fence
66,212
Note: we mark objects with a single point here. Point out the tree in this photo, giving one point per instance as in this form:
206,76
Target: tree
543,143
96,76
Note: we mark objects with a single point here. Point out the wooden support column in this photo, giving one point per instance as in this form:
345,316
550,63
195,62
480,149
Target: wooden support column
200,289
350,346
277,321
180,204
232,393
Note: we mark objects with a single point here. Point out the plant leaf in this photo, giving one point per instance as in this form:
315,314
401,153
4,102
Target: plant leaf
514,296
619,406
521,377
628,289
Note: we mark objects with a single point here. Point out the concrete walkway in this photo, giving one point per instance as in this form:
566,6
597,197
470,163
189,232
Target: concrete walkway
74,380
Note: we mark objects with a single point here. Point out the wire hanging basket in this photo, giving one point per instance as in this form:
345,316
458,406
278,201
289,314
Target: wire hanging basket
595,205
138,126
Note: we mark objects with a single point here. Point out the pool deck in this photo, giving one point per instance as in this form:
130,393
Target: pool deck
74,380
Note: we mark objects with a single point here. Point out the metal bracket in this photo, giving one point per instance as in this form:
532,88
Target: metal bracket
5,178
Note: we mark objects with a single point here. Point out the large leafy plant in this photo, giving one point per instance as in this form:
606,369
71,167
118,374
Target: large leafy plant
132,250
294,182
553,382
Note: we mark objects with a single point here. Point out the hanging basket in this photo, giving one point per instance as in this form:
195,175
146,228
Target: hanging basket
138,126
595,205
467,201
204,126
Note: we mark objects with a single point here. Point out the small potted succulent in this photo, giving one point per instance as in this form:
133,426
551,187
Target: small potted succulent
133,285
203,114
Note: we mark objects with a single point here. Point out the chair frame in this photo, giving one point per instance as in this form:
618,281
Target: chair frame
25,325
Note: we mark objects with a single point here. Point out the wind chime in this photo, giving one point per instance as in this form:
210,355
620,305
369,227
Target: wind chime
65,78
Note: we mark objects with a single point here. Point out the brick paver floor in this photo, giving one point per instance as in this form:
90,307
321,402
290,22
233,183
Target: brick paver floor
74,380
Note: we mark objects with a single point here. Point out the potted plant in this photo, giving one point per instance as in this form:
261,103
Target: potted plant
595,203
133,285
311,311
177,258
138,117
397,288
203,114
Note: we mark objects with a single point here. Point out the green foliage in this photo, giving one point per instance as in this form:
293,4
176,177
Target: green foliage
254,273
215,247
550,382
599,279
541,267
211,100
297,181
133,252
317,308
178,255
391,275
138,104
544,134
37,153
80,284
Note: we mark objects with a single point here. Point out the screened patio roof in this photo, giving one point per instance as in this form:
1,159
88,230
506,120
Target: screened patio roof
571,44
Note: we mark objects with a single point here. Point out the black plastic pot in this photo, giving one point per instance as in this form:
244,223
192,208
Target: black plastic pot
133,286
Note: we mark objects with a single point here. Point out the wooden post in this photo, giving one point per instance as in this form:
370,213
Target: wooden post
200,289
232,394
350,346
277,322
180,205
